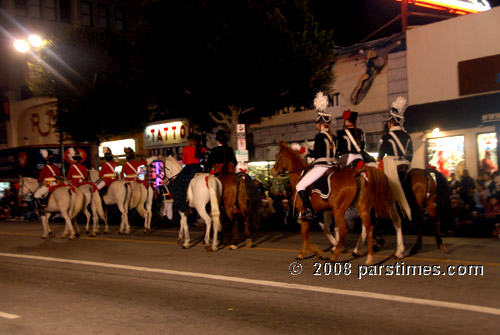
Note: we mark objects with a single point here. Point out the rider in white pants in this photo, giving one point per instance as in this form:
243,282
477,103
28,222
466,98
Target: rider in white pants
323,154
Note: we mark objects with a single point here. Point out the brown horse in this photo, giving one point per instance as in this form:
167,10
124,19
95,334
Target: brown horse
427,192
364,190
241,203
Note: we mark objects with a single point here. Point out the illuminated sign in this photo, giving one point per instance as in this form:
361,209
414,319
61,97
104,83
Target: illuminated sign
163,134
117,146
454,6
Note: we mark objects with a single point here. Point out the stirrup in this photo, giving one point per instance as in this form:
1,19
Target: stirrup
307,215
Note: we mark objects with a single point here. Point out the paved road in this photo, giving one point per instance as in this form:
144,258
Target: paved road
146,284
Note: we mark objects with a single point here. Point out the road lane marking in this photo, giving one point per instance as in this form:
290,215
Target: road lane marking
379,255
268,283
8,315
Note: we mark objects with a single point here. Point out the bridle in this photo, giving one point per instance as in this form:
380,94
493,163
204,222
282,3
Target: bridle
21,187
285,172
165,168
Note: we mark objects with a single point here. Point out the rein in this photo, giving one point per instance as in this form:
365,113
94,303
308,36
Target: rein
289,172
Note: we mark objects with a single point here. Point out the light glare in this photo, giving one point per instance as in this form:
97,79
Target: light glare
35,40
21,46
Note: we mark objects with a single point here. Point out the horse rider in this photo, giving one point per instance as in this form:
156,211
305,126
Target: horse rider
351,141
323,154
221,158
107,172
396,151
191,158
49,176
130,170
77,172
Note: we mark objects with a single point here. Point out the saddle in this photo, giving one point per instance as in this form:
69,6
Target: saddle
323,186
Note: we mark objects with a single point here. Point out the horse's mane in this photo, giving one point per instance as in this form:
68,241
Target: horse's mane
173,161
296,155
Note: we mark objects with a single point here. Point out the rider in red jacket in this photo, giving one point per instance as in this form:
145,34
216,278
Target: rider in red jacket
77,172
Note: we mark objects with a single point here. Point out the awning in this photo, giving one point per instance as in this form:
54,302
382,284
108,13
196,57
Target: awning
451,114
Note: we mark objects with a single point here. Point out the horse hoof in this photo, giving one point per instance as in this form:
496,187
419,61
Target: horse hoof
186,246
208,248
300,257
45,237
414,250
355,254
233,247
180,242
248,242
93,235
443,248
398,256
214,248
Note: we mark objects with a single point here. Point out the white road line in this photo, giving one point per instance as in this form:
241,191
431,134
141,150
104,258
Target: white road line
360,294
8,316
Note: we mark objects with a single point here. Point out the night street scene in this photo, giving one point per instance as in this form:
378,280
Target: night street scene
249,167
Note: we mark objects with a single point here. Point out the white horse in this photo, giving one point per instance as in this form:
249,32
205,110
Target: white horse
118,194
202,189
142,200
67,200
93,199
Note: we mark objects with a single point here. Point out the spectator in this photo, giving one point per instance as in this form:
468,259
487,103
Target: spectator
489,184
487,164
453,183
467,186
267,211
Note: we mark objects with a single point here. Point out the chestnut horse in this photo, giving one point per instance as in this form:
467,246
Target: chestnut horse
364,190
241,202
429,195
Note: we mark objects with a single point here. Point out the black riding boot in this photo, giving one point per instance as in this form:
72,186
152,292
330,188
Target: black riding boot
308,212
38,207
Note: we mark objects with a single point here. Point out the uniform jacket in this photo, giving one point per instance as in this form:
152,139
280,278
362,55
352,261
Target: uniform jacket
324,149
75,176
107,172
46,173
345,145
221,154
389,146
130,173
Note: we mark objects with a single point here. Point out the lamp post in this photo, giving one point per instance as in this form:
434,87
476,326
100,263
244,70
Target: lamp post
23,46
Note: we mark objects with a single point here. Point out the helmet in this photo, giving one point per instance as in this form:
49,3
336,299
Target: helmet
221,136
48,155
323,118
350,116
129,153
108,155
397,112
74,154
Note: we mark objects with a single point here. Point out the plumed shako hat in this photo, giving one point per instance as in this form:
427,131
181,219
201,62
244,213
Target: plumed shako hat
320,103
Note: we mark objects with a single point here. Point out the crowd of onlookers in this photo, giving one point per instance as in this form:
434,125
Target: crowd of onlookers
476,203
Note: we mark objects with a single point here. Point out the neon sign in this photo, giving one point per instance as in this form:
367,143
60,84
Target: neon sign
158,135
454,6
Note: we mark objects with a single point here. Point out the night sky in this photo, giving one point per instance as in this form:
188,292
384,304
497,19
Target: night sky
353,20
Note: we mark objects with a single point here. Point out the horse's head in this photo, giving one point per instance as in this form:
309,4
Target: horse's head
286,160
27,186
171,167
93,175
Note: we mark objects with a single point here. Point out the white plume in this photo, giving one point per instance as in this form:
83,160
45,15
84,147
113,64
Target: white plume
321,101
399,104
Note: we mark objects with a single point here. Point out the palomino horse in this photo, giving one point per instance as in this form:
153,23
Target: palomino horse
428,195
203,189
93,199
363,190
241,202
67,200
118,194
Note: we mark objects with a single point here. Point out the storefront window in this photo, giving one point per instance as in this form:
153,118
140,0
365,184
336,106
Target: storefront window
447,154
487,150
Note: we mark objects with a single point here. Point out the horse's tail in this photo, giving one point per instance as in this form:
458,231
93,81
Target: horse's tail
96,198
379,189
214,188
254,201
443,198
128,196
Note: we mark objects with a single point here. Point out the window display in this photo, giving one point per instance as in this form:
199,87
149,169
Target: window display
487,150
447,154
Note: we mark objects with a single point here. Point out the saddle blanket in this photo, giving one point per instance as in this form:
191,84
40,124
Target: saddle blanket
323,186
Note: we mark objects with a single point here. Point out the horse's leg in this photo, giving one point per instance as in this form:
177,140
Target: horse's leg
327,218
339,216
419,223
184,231
45,225
361,241
432,210
95,218
396,222
208,226
307,243
148,209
